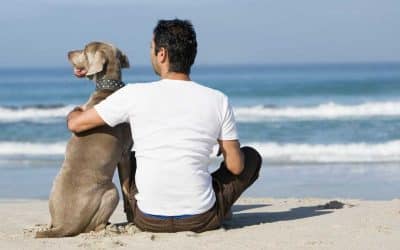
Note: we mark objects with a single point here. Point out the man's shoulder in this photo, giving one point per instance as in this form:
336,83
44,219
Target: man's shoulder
211,91
139,85
145,87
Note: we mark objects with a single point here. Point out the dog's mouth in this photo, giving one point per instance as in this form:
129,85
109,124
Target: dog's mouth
80,72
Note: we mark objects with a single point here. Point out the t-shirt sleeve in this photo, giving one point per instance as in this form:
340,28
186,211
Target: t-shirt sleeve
228,128
114,109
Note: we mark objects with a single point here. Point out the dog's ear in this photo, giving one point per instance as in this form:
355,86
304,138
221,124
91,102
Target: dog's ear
96,64
124,61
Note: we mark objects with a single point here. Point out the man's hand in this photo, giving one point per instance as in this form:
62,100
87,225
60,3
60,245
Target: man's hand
79,120
233,156
76,111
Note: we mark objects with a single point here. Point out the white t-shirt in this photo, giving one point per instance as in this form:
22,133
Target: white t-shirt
175,125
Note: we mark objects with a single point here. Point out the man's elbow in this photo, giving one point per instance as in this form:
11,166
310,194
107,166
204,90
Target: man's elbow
237,168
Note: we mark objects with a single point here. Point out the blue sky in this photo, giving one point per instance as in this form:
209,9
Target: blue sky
41,32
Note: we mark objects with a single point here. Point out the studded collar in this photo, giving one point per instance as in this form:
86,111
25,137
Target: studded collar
109,84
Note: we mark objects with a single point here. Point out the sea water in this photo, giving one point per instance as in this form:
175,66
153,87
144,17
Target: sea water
323,130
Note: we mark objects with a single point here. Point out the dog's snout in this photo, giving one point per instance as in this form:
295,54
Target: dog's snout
74,55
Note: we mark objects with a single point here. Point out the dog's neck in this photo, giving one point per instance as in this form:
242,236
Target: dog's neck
109,79
108,84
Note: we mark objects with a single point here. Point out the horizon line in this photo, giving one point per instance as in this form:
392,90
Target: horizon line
268,64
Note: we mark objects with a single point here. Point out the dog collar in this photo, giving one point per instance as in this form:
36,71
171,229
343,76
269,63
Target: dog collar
109,84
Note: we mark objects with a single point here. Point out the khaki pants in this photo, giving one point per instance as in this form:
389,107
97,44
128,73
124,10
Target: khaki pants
227,188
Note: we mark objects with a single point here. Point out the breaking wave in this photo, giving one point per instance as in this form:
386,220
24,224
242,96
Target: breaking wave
271,152
33,149
51,113
323,111
329,153
37,113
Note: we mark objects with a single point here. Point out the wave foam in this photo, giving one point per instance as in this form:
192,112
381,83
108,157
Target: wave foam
35,114
329,153
271,152
324,111
28,148
43,114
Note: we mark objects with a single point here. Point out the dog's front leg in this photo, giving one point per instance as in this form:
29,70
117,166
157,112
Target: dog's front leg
124,173
89,103
85,106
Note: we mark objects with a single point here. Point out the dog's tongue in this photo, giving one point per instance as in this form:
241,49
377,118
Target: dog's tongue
80,72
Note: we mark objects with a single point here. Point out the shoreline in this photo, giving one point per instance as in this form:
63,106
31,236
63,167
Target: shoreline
241,200
362,182
257,223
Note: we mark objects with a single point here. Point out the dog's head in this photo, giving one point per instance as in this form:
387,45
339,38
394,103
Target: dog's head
98,59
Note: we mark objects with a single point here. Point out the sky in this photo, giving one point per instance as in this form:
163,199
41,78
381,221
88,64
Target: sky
40,33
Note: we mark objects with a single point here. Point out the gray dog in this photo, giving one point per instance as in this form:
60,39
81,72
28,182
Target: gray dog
83,196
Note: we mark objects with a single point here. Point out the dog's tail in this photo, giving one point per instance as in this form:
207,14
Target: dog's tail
54,232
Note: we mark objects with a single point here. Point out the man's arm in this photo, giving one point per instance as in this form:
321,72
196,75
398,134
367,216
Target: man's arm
79,120
233,156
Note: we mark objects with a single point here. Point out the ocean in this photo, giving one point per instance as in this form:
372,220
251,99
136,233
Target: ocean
330,130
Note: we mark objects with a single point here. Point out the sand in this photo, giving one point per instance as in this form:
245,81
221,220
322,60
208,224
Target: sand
260,223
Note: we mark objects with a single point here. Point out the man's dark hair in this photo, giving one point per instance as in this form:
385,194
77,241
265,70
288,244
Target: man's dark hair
178,38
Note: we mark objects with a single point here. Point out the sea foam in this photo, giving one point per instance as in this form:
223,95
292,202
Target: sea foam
272,152
243,114
30,148
323,111
329,153
34,114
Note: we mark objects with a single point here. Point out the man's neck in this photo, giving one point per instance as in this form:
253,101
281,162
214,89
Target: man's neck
175,76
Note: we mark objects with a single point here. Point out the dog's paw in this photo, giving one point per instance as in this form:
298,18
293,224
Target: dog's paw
30,231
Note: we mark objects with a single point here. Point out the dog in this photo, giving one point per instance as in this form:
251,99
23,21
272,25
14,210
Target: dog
83,196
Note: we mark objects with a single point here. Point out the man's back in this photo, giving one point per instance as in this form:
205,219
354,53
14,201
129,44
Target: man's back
175,125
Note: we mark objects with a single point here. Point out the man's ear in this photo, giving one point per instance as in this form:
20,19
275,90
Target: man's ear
162,55
96,65
124,61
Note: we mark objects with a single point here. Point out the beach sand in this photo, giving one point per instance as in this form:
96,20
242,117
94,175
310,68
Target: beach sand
257,223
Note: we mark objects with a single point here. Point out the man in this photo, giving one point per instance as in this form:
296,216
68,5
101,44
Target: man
175,123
